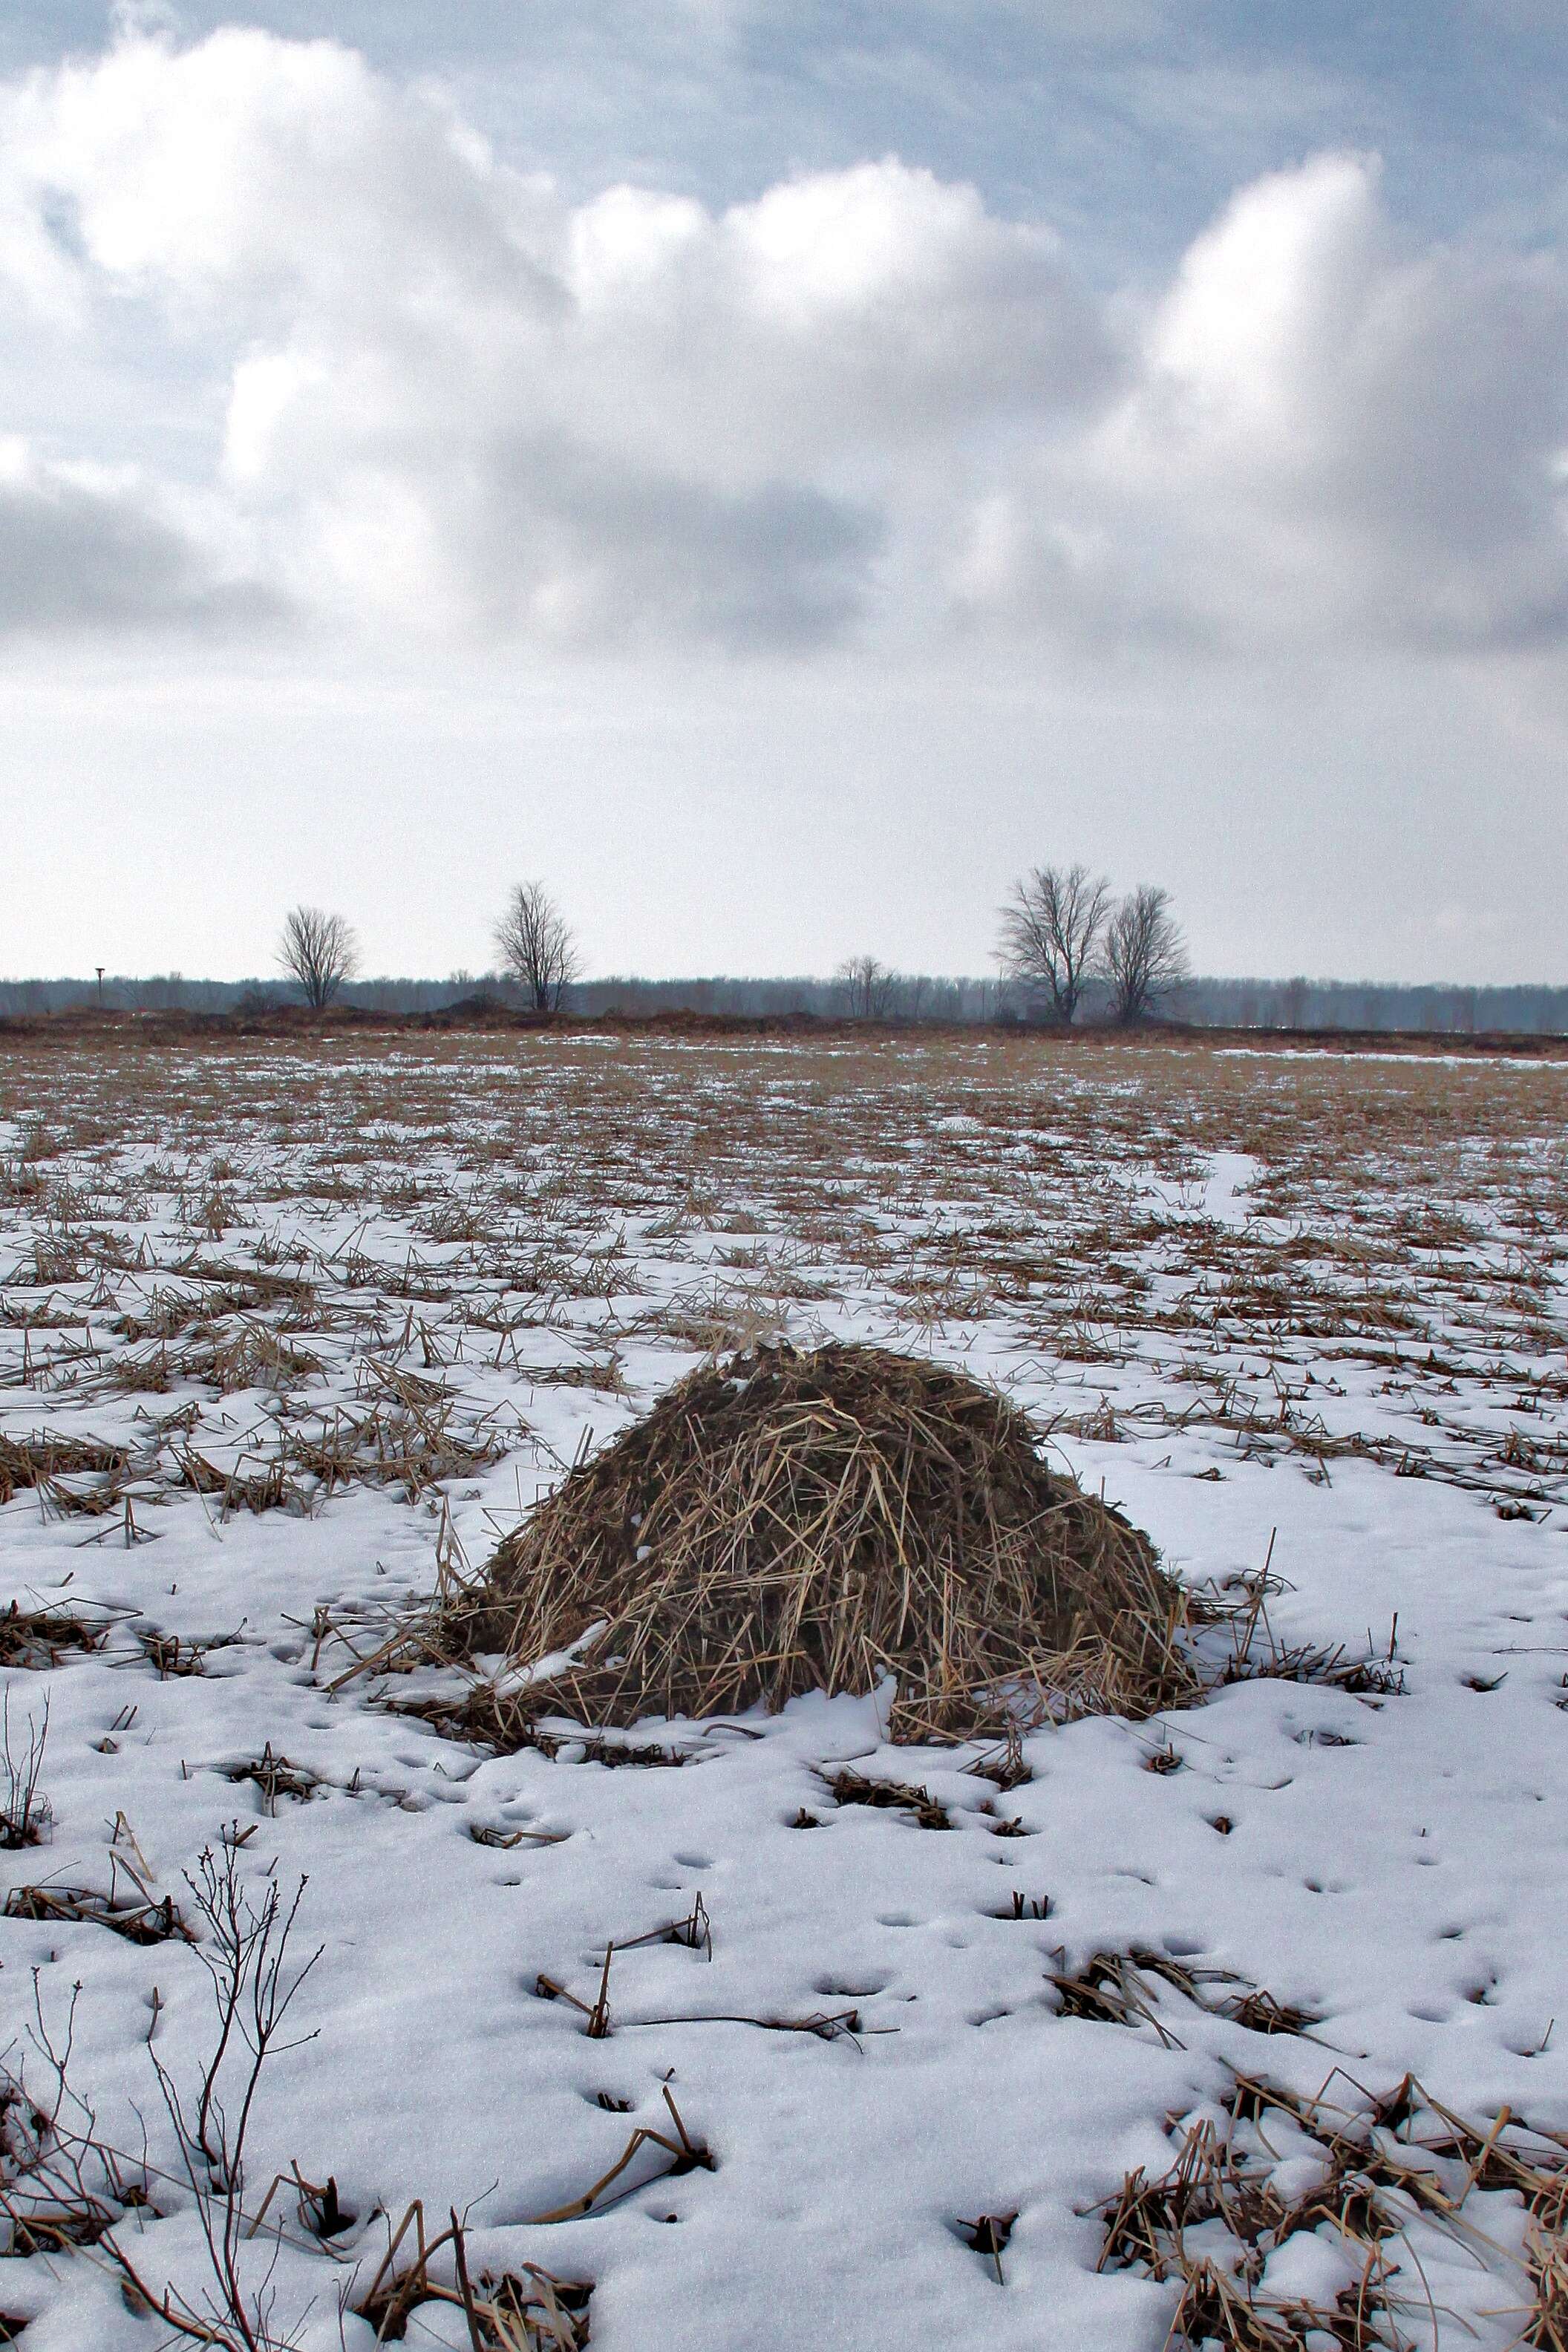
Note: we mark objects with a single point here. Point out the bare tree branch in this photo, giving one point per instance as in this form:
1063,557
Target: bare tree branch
65,2186
1145,954
1051,929
254,1984
537,947
319,951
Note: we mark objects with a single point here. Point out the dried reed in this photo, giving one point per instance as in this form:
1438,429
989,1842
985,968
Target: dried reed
789,1522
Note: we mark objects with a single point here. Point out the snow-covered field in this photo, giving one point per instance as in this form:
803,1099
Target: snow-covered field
335,1314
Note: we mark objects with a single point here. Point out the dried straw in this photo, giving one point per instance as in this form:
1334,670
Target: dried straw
795,1521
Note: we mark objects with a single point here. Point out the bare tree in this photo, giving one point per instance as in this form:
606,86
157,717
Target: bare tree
1051,931
537,948
870,987
1145,954
320,950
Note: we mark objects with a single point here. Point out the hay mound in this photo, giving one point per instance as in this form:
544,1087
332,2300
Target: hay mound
794,1521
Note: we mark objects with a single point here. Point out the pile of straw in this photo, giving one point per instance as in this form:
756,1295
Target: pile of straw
796,1521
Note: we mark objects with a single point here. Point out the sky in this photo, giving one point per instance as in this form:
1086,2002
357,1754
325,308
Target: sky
776,470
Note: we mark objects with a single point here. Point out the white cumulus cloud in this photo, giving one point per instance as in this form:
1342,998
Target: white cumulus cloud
441,397
1326,436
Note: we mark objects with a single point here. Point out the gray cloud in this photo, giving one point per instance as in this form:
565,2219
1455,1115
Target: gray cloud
79,556
587,553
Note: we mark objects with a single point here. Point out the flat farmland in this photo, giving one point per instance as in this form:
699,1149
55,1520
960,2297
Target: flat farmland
1184,2030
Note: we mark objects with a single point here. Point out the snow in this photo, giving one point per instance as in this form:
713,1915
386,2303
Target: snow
1218,1194
1221,1268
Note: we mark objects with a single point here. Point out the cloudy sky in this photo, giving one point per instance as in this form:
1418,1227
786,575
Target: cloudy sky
776,468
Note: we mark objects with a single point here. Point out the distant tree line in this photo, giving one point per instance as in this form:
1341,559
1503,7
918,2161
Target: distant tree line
1203,999
1068,951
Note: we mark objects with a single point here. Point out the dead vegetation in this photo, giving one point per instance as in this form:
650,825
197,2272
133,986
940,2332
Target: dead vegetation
1401,1240
842,1518
27,1816
1386,2175
45,1463
39,1639
1125,1989
825,1520
530,2309
600,2019
144,1920
851,1787
212,1278
525,2310
65,2185
274,1776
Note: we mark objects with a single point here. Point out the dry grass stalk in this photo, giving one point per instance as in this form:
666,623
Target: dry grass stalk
36,1639
988,2234
45,1461
600,2022
179,1656
694,1933
509,2315
484,1834
790,1522
529,2311
27,1816
1213,2220
1115,1988
1007,1765
275,1776
852,1788
149,1921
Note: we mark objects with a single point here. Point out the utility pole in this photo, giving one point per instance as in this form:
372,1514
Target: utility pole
99,969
